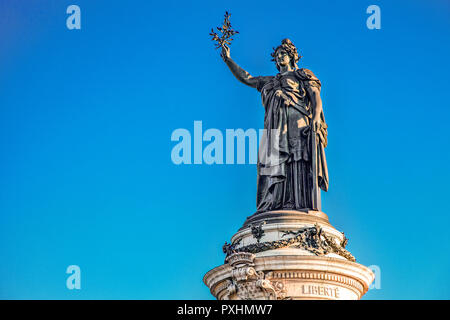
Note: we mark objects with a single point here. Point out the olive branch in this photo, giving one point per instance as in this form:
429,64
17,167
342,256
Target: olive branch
226,31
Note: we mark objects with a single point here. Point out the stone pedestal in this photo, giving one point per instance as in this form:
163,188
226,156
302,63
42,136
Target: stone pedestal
288,255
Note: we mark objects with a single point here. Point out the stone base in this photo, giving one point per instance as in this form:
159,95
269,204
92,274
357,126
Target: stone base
288,255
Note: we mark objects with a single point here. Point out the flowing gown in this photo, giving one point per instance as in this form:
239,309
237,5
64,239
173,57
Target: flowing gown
284,163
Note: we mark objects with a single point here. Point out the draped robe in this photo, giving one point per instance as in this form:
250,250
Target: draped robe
285,179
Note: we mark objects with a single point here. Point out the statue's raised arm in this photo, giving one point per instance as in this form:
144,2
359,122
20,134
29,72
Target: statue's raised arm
240,74
223,39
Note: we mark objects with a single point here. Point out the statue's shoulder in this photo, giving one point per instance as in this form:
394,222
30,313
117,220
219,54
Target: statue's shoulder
308,78
261,81
306,74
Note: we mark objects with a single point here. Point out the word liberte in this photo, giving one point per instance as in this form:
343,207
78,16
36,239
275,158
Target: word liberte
213,153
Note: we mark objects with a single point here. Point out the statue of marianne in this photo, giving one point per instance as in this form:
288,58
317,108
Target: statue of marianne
291,162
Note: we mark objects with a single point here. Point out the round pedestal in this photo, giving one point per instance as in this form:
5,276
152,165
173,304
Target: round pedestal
288,255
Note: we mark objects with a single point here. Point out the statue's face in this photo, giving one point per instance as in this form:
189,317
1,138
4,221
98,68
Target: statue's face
282,58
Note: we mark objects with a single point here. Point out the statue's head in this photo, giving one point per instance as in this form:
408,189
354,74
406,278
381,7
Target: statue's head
285,54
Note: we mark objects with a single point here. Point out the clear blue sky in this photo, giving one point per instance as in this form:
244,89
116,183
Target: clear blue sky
86,117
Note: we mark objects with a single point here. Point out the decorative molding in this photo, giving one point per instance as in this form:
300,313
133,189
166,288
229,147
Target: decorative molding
240,258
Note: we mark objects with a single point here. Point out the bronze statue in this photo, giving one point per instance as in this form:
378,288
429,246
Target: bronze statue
291,162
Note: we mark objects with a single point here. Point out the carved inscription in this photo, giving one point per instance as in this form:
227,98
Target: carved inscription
321,291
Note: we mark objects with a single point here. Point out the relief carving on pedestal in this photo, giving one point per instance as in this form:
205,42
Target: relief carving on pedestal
247,284
257,231
312,239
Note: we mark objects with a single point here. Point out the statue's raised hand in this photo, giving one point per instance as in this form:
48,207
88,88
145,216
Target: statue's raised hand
225,54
